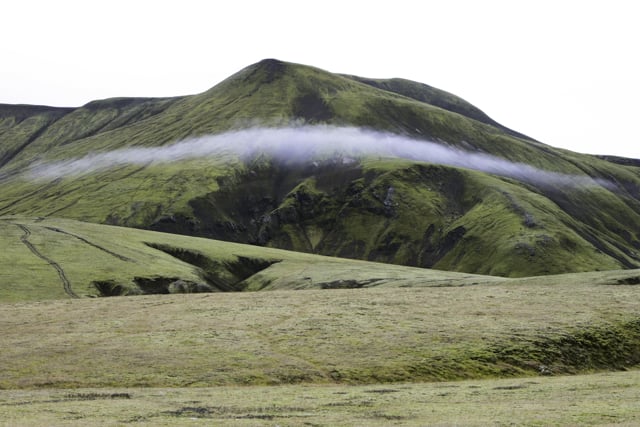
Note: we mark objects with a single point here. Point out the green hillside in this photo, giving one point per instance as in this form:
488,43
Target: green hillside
401,236
326,321
56,258
378,208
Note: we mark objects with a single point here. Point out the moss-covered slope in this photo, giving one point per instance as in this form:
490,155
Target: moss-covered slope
399,211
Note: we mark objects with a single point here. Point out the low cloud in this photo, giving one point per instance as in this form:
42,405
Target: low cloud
304,144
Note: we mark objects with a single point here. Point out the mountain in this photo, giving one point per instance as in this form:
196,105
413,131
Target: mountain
477,198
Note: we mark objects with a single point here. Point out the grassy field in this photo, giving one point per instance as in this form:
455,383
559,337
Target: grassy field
304,353
349,336
599,399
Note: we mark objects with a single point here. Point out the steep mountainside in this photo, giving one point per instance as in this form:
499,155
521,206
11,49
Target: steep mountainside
512,207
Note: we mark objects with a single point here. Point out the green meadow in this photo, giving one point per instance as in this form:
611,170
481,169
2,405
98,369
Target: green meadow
387,345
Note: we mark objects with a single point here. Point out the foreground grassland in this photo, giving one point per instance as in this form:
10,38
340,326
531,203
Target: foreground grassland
350,336
304,353
599,399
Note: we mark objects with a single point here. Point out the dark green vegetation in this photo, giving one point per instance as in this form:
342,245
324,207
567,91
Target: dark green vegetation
380,209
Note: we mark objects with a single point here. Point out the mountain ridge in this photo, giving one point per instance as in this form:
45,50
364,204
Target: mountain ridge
403,211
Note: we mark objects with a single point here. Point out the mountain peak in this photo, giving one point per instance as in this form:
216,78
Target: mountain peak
267,70
271,63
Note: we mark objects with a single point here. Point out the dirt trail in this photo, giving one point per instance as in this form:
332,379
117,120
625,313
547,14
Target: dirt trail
63,277
83,240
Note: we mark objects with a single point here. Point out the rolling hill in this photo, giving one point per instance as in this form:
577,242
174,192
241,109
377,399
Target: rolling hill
444,187
46,259
334,192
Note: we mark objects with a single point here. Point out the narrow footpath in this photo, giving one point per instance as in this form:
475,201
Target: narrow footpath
63,277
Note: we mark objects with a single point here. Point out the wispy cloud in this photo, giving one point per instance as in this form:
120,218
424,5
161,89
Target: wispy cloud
305,144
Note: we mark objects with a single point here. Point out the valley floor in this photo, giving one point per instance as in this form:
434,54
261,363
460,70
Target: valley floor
596,399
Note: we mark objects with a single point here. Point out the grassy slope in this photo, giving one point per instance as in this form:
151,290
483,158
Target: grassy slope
574,230
428,327
556,326
90,252
602,399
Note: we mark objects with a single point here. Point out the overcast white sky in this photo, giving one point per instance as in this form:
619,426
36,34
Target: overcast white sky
564,72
